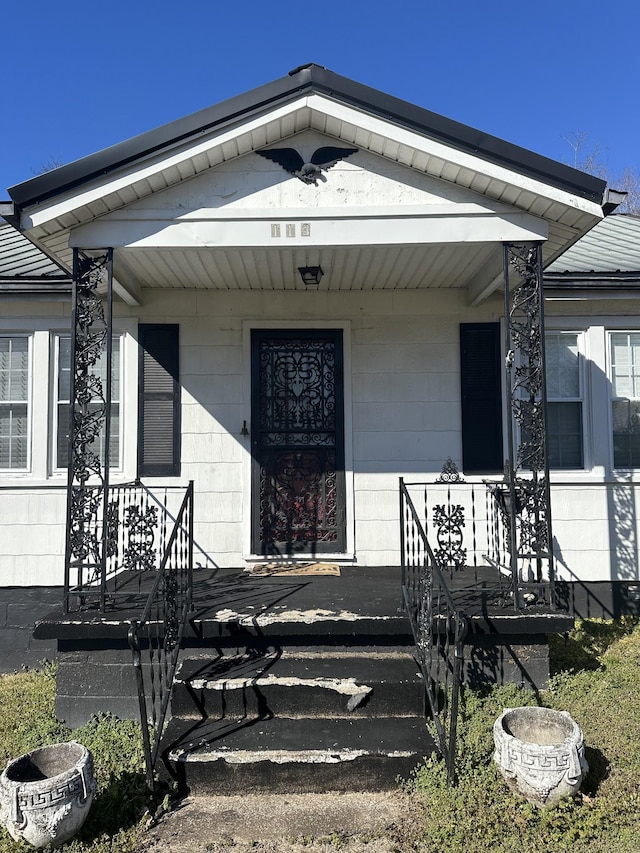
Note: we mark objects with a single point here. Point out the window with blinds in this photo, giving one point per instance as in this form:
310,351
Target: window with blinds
564,400
62,403
14,402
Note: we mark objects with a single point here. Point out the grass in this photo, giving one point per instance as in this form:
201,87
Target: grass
27,720
594,677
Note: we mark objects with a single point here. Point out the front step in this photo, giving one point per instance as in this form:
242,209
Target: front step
297,684
291,682
295,755
303,719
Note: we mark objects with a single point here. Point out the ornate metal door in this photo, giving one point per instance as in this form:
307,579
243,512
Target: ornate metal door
298,442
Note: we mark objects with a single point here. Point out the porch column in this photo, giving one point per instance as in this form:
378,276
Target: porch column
87,533
526,466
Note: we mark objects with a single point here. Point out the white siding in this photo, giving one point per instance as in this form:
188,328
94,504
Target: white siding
402,415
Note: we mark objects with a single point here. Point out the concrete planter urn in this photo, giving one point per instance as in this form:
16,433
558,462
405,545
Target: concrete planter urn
540,753
45,795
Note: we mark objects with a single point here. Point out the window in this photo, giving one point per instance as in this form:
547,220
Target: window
14,402
63,392
564,400
625,406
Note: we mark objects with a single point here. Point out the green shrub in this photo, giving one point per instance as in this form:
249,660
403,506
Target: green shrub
27,718
596,680
27,721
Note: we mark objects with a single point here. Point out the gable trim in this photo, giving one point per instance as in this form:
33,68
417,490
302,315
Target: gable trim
306,80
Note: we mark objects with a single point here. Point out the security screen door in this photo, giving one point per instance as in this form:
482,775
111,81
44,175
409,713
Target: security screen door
298,496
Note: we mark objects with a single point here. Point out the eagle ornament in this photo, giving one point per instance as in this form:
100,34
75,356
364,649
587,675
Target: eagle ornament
309,173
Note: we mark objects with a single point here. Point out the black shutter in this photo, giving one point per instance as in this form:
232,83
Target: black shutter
159,401
480,375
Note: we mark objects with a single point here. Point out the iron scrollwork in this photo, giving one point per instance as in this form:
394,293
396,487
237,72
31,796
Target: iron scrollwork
525,370
140,554
90,525
171,616
450,473
448,522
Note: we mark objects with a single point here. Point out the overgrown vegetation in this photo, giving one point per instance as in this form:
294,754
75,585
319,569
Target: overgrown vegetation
27,720
594,677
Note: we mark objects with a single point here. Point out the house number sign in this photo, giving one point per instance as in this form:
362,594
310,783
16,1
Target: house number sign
290,229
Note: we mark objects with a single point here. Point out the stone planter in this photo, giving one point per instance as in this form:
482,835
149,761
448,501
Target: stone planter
540,753
45,795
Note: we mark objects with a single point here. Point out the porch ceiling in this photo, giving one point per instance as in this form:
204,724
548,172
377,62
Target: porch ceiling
345,268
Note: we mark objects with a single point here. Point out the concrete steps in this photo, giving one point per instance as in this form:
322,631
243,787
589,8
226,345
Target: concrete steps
304,754
343,711
291,682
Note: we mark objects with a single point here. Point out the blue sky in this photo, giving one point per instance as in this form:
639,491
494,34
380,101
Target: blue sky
80,76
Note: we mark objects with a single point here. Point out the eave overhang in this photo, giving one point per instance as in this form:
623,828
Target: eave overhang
531,197
309,79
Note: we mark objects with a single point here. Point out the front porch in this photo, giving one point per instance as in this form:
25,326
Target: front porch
294,681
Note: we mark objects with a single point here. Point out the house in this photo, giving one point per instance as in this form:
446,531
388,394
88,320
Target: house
292,299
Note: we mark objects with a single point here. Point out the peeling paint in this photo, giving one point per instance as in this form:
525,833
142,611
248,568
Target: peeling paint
305,617
344,686
281,756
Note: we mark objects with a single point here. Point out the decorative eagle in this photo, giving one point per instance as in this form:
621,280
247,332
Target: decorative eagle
309,173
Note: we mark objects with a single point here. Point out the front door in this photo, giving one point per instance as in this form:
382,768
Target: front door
298,489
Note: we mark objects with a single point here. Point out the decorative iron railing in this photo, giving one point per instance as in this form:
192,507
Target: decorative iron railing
133,541
156,636
438,627
469,525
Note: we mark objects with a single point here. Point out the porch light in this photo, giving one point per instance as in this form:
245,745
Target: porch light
310,275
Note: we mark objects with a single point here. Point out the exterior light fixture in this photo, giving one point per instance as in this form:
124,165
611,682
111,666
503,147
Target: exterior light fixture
310,275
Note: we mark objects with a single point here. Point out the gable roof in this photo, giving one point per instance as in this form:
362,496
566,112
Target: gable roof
309,79
517,194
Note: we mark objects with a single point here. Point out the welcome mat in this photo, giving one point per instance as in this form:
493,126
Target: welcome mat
293,569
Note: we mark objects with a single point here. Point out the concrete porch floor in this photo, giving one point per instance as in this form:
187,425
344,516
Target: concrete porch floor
228,600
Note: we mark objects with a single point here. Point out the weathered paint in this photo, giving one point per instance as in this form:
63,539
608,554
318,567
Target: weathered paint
304,617
343,686
276,756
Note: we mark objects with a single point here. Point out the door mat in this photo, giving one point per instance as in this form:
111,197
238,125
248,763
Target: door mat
293,569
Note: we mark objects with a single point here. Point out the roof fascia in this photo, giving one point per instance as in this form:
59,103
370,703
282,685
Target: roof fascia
460,136
305,79
614,280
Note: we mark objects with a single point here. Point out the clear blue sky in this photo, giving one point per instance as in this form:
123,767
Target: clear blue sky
80,76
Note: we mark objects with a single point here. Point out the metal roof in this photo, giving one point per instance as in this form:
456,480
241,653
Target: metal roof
25,267
309,79
612,246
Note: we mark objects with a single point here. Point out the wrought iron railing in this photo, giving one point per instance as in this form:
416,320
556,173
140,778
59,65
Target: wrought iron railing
116,561
438,627
469,525
156,636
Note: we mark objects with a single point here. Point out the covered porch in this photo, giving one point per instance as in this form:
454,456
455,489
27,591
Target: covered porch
283,307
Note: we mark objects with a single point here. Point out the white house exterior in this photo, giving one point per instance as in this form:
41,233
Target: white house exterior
408,229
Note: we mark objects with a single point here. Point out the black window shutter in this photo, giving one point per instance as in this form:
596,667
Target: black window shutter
480,375
159,401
